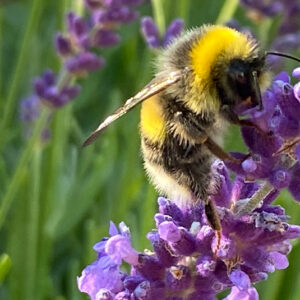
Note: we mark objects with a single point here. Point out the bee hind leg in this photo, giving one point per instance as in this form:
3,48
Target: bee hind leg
216,150
214,221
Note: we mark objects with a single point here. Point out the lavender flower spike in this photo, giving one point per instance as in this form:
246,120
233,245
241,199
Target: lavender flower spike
186,263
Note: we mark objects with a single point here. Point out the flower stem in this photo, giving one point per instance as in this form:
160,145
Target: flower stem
33,226
257,199
159,16
227,11
21,167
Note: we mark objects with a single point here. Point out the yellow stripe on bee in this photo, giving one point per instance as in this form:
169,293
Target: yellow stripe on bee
217,40
218,43
153,124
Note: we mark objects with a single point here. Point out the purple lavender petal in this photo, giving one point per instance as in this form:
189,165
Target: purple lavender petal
125,295
131,282
169,232
280,178
173,31
150,32
223,183
294,186
296,73
103,273
163,251
237,294
79,27
121,14
71,92
105,294
287,101
106,38
282,76
279,260
202,296
297,91
84,62
259,260
62,45
30,109
263,145
249,165
39,87
143,291
150,267
178,278
226,249
49,78
205,265
168,207
118,247
204,239
113,230
240,279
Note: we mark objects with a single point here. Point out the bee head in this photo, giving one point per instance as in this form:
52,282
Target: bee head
241,80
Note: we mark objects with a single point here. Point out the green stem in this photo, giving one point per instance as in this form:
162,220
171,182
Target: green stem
1,55
33,226
227,11
183,8
10,101
159,16
25,157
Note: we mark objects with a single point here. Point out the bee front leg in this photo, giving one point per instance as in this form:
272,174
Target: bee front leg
233,118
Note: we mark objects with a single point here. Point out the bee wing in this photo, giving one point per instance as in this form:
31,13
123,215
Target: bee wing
155,86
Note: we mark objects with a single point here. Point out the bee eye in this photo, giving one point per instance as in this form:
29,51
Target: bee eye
240,77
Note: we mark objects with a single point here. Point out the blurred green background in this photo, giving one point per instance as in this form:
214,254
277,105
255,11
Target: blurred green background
56,198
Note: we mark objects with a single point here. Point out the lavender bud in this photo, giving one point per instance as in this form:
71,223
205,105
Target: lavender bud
106,38
249,165
280,178
296,73
49,77
62,45
297,91
39,87
30,109
84,62
173,31
150,32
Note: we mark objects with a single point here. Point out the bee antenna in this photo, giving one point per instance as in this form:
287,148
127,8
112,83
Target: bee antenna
283,55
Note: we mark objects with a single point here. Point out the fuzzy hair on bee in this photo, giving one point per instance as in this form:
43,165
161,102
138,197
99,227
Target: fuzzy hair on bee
201,78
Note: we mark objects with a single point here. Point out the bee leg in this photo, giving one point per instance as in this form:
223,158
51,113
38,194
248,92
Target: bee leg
234,119
216,150
214,221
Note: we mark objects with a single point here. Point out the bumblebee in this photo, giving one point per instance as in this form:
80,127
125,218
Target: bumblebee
201,78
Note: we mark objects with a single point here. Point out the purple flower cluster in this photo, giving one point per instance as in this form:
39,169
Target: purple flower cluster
274,142
188,262
76,50
151,34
